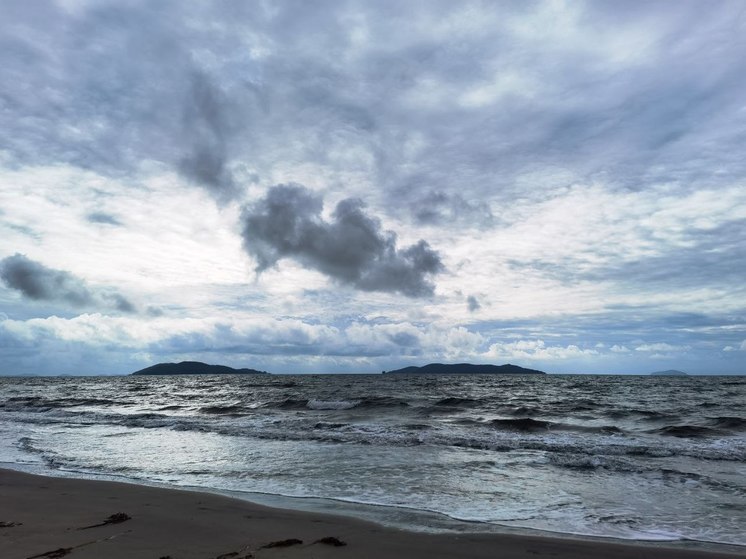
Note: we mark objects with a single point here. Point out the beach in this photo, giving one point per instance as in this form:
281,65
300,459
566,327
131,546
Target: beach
46,517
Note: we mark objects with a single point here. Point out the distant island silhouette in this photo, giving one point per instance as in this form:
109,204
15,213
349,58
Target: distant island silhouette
464,369
195,368
669,373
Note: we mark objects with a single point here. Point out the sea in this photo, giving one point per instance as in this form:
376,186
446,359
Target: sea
632,457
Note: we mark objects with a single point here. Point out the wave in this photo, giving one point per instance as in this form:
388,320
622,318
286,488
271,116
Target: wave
625,465
501,436
417,427
369,402
595,462
326,425
729,422
382,402
525,424
289,384
41,404
138,388
685,431
457,402
331,404
232,410
524,410
29,445
530,425
645,415
287,404
718,426
584,404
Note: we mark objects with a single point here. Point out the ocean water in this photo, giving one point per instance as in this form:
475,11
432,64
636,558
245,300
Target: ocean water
650,458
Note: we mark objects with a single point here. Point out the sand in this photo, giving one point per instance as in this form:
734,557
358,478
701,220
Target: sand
49,517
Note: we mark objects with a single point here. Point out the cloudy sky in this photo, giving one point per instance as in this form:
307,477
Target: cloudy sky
351,186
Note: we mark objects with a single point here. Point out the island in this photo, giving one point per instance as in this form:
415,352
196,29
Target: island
464,369
669,373
195,368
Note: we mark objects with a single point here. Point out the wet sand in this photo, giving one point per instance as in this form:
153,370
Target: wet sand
45,517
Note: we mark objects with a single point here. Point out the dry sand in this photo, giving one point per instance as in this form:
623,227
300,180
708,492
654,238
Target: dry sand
43,515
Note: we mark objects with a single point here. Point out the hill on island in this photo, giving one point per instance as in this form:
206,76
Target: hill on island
669,373
464,369
195,368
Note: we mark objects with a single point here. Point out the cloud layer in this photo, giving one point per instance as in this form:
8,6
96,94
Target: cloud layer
553,182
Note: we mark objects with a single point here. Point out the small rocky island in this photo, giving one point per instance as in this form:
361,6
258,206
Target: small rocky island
464,369
669,373
195,368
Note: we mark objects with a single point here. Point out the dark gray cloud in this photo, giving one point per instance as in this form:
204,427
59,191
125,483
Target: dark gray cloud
442,208
103,218
207,127
118,302
472,303
154,311
352,248
40,283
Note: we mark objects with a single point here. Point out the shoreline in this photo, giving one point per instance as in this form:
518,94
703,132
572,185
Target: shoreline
41,514
403,518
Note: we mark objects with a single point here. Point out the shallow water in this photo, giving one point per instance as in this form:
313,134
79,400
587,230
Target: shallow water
631,457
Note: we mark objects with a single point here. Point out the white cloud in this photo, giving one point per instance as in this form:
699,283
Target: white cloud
661,346
259,337
170,235
537,350
501,86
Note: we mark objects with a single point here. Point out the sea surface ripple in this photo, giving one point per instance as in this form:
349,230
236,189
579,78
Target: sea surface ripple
661,458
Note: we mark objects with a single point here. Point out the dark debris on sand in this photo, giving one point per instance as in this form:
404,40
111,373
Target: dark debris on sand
116,518
54,554
331,540
283,543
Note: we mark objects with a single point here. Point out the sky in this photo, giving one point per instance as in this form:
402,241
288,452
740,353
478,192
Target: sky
356,186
